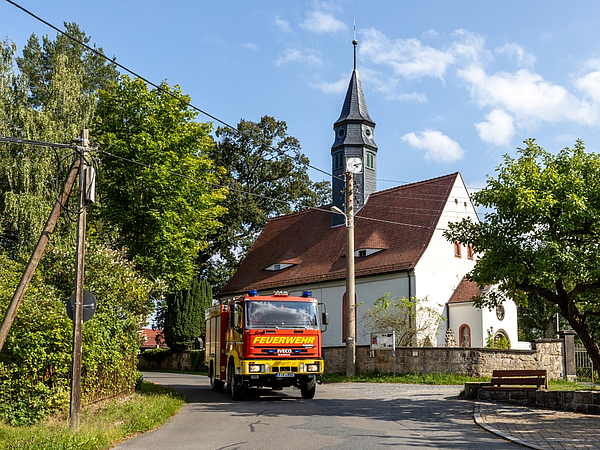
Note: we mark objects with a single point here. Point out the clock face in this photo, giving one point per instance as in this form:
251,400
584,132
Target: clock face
354,165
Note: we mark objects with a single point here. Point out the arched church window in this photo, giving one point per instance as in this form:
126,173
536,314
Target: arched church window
465,335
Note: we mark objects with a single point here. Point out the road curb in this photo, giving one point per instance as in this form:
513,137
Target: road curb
479,421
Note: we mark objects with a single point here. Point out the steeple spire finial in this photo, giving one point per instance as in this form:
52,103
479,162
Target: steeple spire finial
355,43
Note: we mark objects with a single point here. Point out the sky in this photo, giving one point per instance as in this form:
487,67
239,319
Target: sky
451,85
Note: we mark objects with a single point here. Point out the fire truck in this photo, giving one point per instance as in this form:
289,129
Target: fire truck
272,341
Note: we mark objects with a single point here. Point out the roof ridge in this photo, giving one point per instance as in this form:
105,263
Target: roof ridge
416,183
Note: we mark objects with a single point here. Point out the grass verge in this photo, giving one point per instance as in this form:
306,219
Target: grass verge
406,378
101,426
440,378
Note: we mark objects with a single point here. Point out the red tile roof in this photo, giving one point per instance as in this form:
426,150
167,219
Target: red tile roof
400,220
465,292
149,338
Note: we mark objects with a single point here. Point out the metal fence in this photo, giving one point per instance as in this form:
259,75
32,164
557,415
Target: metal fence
584,366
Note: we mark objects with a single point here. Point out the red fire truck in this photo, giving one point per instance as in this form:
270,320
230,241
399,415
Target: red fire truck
271,341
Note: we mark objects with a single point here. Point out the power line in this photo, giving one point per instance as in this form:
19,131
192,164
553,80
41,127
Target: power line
158,87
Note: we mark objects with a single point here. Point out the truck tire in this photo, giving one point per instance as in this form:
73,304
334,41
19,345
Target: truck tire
235,384
308,388
217,385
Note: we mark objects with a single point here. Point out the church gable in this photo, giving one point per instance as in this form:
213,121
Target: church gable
399,221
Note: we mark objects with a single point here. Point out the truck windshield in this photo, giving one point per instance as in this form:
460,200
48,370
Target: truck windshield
279,314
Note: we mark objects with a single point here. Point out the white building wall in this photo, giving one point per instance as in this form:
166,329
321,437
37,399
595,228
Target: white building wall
368,290
439,272
466,314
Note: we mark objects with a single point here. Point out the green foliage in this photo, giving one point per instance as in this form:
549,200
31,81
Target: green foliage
197,362
540,234
162,214
268,177
35,361
157,355
184,317
101,428
413,322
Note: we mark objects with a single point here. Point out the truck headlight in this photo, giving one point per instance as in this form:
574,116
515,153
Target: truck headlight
256,368
312,367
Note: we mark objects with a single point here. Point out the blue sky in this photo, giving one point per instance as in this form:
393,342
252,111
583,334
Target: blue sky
451,85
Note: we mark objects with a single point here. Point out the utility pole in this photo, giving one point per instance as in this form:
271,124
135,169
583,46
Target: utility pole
34,260
79,270
350,284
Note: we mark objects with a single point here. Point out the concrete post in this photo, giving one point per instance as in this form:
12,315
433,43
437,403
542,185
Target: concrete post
568,338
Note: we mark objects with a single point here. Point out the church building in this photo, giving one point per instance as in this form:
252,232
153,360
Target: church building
399,245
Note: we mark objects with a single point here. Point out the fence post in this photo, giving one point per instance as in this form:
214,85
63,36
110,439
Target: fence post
568,337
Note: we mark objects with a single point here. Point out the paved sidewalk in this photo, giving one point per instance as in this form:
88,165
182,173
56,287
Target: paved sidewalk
539,428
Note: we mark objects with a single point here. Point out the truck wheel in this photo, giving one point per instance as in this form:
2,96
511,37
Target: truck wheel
217,385
234,382
308,388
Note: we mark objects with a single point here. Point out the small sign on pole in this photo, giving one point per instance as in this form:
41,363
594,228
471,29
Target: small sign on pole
384,341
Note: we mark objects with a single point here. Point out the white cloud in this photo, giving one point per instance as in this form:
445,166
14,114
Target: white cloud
295,55
498,129
251,46
590,84
518,53
412,97
410,58
320,22
438,147
527,95
337,87
283,25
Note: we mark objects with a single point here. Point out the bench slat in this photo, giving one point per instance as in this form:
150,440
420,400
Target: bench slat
517,373
523,381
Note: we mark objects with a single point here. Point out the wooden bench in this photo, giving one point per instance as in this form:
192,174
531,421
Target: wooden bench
522,380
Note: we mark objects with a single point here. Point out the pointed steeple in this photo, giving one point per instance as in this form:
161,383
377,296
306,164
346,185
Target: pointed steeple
354,138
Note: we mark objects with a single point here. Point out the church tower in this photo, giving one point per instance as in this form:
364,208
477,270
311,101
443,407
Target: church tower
353,139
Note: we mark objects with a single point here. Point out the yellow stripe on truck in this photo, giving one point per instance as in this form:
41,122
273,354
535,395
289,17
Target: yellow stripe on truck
299,340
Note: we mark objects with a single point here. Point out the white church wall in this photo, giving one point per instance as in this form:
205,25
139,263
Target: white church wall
466,314
368,290
439,271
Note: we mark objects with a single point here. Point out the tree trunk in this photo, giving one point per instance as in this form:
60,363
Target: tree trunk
572,315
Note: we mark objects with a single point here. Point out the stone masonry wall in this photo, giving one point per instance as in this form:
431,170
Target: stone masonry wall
545,354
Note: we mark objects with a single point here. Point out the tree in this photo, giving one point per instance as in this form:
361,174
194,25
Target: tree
542,234
184,315
51,99
412,321
267,177
160,197
38,65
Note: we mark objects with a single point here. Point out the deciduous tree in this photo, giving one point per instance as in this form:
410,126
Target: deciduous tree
159,189
267,176
542,234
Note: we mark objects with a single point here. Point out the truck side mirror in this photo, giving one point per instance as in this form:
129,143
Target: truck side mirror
234,316
325,319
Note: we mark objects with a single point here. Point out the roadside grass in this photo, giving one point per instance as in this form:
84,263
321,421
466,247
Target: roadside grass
405,378
102,426
442,379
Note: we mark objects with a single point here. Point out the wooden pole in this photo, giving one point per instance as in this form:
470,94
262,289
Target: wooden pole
78,307
34,260
350,282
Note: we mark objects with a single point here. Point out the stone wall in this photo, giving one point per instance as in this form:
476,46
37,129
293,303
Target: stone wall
577,401
545,354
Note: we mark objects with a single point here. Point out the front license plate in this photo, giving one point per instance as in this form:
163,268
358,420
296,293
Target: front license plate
285,375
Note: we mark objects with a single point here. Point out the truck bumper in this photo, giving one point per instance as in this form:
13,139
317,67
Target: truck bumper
282,368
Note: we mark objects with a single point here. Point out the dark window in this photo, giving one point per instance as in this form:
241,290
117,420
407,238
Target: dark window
370,160
469,251
457,249
338,161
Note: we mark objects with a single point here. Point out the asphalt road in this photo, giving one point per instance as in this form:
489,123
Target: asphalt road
341,416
